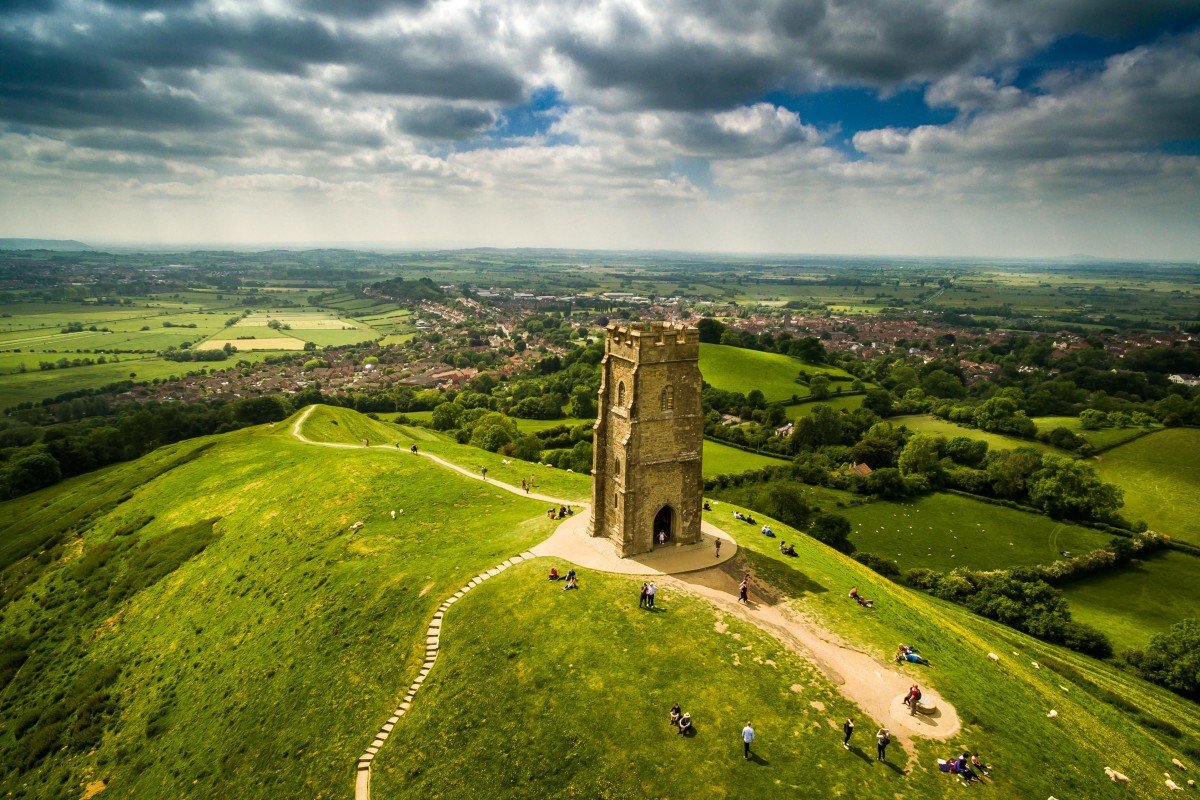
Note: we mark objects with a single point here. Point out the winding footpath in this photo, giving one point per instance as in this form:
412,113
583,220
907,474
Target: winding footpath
859,676
433,635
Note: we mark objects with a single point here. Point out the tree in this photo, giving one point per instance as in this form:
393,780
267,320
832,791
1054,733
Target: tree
966,451
833,530
818,387
1064,487
785,502
808,349
940,383
1002,415
1092,420
1009,470
879,401
30,472
261,410
582,404
447,416
1172,659
710,330
922,456
888,483
880,446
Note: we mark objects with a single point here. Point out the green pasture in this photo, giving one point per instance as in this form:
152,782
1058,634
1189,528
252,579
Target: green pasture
336,338
276,626
848,402
925,423
721,459
1160,474
944,531
1099,439
736,369
1147,598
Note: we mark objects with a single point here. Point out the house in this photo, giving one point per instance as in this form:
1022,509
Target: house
861,470
785,430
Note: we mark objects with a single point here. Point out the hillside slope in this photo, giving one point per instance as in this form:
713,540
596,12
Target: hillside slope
203,623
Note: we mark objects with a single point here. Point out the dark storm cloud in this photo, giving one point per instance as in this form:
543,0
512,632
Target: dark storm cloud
360,9
145,144
14,7
445,121
1110,18
433,68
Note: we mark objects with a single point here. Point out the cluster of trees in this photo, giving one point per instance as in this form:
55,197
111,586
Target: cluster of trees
782,498
1029,605
199,355
33,457
1171,659
67,363
808,348
407,291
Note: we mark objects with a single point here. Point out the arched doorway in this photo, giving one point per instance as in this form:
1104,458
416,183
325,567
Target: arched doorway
664,526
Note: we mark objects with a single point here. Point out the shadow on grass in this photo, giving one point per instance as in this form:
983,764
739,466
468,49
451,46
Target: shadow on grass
858,751
758,760
893,767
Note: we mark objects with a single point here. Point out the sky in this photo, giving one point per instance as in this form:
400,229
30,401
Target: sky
1007,128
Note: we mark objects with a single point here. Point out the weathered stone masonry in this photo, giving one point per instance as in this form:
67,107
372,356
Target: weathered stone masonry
649,437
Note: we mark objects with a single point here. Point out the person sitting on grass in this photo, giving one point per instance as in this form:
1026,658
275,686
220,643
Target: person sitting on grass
906,653
685,723
978,766
554,573
571,584
858,598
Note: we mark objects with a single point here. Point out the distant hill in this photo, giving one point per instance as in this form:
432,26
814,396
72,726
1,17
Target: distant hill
43,244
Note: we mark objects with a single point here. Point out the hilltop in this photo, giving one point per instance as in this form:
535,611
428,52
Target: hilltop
69,245
204,622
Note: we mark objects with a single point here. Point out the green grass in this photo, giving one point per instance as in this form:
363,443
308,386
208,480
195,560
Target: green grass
944,531
721,459
277,625
1099,439
328,338
735,369
1138,602
1160,474
256,656
1003,706
569,698
924,423
848,402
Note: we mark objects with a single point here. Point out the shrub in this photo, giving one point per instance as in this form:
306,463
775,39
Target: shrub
881,565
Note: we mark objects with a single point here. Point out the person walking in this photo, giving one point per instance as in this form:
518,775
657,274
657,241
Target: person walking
882,740
744,590
483,472
717,547
651,590
747,738
642,600
524,485
848,730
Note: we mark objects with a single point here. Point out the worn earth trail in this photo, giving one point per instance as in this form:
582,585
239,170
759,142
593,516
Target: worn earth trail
874,686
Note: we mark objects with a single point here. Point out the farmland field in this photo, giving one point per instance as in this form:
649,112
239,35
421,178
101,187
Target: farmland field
1141,600
925,423
848,402
736,369
1100,439
944,531
721,459
1160,474
264,343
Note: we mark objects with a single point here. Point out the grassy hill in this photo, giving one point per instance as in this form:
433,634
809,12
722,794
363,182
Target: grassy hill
736,369
202,622
1160,474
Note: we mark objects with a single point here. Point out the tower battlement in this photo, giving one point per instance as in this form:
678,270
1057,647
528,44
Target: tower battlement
652,342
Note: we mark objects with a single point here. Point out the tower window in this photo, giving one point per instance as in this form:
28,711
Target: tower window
621,393
667,399
617,467
616,501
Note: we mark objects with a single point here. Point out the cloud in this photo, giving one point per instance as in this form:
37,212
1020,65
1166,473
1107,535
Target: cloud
444,121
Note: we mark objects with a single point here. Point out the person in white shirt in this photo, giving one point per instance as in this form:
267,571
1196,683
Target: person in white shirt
747,738
651,590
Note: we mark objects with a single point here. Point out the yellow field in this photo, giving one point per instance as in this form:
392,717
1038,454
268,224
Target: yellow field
280,343
303,322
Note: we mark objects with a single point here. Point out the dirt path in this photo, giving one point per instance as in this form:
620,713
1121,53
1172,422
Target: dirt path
874,686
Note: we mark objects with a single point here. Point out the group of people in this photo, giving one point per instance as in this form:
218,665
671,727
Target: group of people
571,580
681,720
649,590
528,483
858,598
906,653
969,769
768,531
883,737
787,549
747,518
562,512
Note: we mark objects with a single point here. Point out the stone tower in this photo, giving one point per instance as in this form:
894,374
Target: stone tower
649,437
